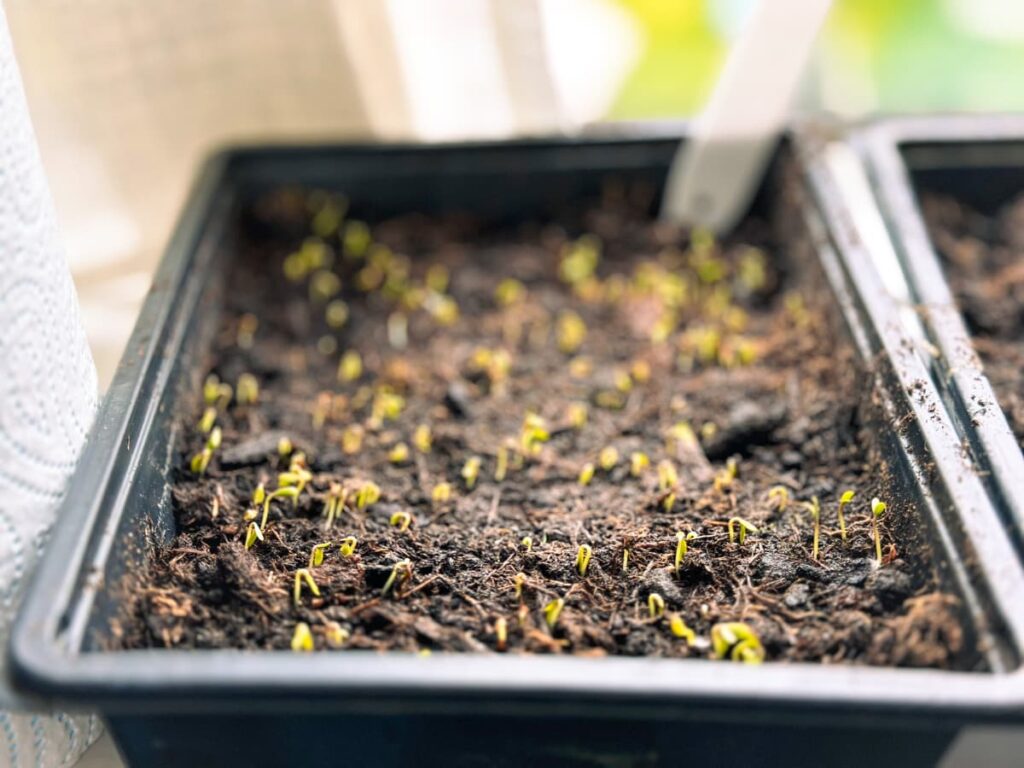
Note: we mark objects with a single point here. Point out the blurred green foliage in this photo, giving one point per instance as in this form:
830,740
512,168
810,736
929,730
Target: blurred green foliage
874,55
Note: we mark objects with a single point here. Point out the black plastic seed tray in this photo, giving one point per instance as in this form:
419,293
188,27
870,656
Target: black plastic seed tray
979,160
170,707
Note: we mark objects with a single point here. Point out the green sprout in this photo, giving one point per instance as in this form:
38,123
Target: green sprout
252,534
501,465
422,439
739,528
579,259
288,492
737,641
655,605
348,546
470,471
316,555
680,630
623,381
608,458
583,555
518,582
682,546
352,439
368,494
304,575
780,495
324,285
845,499
509,291
285,447
877,510
576,414
335,634
302,637
571,331
533,435
815,509
501,633
725,478
335,503
586,474
638,462
209,419
527,543
336,314
350,367
202,459
667,475
399,454
441,493
625,559
401,572
247,390
401,521
356,239
552,611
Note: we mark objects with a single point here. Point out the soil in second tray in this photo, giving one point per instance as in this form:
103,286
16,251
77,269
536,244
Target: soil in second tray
984,256
687,381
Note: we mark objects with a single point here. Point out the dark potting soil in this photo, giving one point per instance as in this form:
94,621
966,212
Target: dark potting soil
713,360
984,257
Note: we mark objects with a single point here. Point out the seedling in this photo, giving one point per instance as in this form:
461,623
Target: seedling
259,493
316,555
401,521
608,458
576,414
501,633
641,371
623,382
669,502
202,459
682,547
681,630
586,474
368,493
581,367
667,475
302,637
387,406
625,559
348,546
335,503
845,499
502,464
252,534
533,435
442,493
422,439
208,420
737,641
470,471
356,239
655,605
518,581
285,447
437,278
680,437
335,634
877,510
399,454
815,509
739,528
724,479
287,492
579,260
401,572
304,575
780,496
336,314
350,367
638,462
583,555
552,611
527,543
509,292
352,439
247,391
571,331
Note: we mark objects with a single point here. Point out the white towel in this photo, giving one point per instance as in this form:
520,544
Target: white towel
47,398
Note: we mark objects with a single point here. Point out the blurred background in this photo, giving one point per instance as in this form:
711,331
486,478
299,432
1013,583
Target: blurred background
127,96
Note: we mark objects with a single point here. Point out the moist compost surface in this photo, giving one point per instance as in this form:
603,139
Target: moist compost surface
709,359
984,256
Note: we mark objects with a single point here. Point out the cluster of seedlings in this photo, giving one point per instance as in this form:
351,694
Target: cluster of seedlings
630,439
